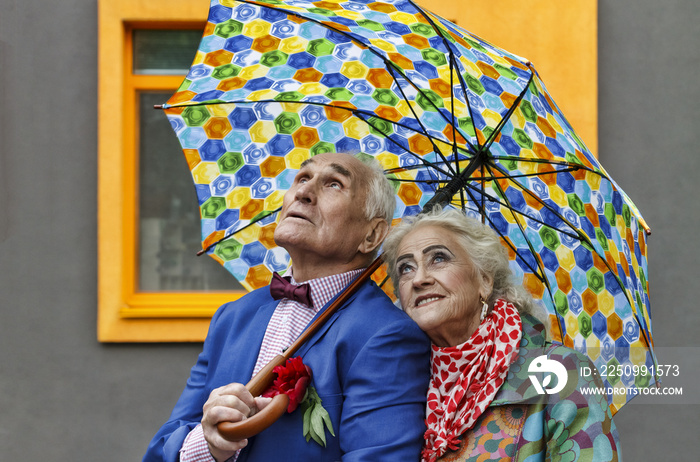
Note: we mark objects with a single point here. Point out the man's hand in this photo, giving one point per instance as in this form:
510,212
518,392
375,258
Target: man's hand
230,403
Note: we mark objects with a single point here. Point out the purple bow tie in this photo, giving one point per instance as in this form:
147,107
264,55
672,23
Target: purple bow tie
280,287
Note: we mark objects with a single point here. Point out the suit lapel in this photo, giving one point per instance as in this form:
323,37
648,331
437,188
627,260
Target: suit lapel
323,329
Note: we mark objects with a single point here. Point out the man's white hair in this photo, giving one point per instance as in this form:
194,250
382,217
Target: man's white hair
380,200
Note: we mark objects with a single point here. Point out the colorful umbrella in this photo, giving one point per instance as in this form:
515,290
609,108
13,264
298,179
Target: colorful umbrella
275,82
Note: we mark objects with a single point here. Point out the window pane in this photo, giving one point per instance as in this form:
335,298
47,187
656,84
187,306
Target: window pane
161,51
169,225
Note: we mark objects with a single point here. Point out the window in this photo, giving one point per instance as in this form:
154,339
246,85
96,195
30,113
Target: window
151,284
168,214
151,287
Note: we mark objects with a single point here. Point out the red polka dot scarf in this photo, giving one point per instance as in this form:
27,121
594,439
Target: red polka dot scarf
466,377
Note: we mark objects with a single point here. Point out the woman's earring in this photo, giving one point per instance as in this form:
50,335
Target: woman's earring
484,308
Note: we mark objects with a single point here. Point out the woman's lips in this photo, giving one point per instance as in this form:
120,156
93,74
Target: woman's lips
425,299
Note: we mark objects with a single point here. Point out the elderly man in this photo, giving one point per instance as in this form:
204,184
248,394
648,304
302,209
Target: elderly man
370,361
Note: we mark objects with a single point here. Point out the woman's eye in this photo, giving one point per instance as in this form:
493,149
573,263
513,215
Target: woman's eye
303,180
440,257
405,269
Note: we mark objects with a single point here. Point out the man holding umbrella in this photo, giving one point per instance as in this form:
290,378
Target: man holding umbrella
369,360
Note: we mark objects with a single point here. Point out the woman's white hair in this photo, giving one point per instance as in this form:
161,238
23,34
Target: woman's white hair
482,244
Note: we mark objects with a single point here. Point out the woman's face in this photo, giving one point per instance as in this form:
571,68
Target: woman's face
438,285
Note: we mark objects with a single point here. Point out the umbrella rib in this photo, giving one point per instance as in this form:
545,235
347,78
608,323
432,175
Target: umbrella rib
527,175
507,203
508,115
452,112
482,212
646,334
511,110
361,114
465,89
415,116
416,167
355,111
453,61
649,344
425,133
426,163
572,165
504,120
582,237
540,268
455,152
434,166
229,235
576,234
386,278
430,183
453,65
491,198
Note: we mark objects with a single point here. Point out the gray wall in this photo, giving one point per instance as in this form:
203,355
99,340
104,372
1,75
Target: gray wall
66,397
649,57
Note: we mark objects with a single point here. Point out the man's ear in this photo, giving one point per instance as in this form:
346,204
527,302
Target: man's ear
377,231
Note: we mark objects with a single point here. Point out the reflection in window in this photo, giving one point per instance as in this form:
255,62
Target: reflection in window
162,51
169,225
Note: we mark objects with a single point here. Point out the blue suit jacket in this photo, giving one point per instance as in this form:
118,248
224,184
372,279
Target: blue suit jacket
370,366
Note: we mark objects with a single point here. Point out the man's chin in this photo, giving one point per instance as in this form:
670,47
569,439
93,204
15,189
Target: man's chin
288,234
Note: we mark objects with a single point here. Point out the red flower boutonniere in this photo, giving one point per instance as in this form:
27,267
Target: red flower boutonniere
293,379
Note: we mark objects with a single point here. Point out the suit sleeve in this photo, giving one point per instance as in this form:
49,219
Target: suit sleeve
187,414
385,387
578,423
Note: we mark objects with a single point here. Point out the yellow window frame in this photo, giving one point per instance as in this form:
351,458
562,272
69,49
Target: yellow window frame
560,38
126,314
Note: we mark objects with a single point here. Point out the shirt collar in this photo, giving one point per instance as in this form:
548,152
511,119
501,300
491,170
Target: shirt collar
325,288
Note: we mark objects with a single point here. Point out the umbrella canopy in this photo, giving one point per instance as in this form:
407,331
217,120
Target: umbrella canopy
453,120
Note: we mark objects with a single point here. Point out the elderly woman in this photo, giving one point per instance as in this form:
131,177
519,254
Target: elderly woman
452,276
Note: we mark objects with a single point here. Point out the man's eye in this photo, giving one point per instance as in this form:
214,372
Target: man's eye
335,185
303,180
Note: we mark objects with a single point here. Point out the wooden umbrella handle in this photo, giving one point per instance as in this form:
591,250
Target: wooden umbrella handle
235,431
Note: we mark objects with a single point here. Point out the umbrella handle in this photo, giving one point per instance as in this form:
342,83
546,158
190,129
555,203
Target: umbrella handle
236,431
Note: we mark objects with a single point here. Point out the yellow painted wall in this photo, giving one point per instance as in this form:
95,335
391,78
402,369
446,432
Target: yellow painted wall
558,37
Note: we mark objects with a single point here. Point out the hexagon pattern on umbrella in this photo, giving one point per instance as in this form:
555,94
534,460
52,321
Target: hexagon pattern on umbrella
275,82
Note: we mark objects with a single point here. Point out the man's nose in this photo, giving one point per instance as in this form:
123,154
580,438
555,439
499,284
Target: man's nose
306,192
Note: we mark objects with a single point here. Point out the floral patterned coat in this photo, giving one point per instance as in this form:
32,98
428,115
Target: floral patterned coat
521,425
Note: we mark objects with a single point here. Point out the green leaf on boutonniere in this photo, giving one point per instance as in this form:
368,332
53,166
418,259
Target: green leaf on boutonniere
316,419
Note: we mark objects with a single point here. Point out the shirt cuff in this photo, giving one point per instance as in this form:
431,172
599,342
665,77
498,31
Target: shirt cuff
195,447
